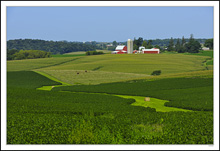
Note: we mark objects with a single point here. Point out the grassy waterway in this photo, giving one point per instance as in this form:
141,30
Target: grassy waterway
158,104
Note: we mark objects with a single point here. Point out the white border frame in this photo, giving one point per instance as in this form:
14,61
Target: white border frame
4,4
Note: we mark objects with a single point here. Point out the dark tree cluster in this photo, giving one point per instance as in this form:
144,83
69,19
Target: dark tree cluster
209,43
165,42
192,46
14,54
94,53
55,47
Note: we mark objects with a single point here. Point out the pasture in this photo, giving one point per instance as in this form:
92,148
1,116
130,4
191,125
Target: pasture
105,104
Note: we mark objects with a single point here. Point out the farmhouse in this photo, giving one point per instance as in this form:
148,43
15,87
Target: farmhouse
205,48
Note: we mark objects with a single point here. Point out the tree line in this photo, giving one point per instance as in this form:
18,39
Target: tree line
94,53
55,47
190,45
14,54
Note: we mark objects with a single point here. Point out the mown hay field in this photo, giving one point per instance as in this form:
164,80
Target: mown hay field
112,68
135,63
30,64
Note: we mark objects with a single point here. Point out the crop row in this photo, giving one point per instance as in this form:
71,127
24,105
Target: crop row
188,93
44,117
48,117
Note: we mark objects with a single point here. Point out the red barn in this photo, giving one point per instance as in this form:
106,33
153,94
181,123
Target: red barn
153,50
121,48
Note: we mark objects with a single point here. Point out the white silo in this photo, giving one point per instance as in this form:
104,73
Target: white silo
130,46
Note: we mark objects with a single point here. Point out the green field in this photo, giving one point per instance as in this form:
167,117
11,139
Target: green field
139,64
113,68
49,103
180,91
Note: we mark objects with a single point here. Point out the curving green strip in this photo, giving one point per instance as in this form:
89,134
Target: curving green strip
158,104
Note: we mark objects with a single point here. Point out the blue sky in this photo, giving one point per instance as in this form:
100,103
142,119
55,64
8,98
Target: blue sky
106,24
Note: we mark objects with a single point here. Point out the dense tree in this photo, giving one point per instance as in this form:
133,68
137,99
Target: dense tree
28,54
139,42
183,41
209,43
171,45
144,43
192,46
112,48
157,47
178,46
149,44
10,54
165,42
135,47
94,52
55,47
115,43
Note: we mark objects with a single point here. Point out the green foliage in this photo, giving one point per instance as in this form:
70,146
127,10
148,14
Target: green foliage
156,72
165,42
178,46
144,43
55,47
94,53
192,46
137,43
135,47
183,41
112,48
171,45
187,93
10,54
30,54
209,43
115,43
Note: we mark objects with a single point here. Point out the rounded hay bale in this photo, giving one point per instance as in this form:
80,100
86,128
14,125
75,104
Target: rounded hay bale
147,99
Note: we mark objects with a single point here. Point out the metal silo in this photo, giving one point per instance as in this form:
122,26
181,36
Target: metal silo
130,46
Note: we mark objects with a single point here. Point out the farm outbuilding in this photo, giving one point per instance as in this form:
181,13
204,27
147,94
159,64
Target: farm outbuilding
141,47
152,50
205,48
